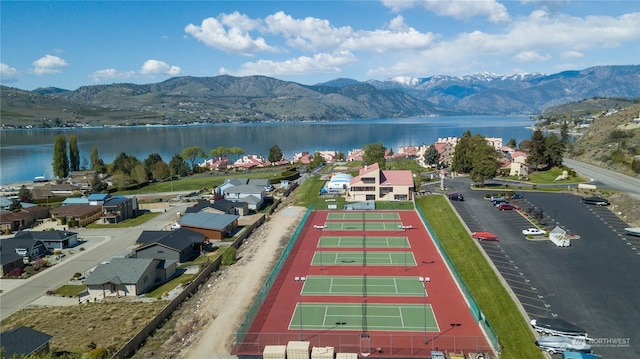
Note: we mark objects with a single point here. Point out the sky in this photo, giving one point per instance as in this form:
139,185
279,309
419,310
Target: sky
68,44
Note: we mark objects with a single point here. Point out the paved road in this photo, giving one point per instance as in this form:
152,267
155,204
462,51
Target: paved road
593,283
100,245
606,178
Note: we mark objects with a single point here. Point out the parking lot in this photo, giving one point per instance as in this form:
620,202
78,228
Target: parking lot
594,283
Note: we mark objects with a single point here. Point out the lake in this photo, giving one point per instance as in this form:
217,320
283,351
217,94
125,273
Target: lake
25,154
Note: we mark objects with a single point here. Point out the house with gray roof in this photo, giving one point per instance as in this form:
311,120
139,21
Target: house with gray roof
52,239
23,342
16,252
180,245
212,225
220,206
252,195
118,208
128,276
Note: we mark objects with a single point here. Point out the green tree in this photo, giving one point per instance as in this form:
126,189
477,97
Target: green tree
374,153
150,163
97,185
236,151
192,154
139,175
229,256
220,151
512,143
84,164
484,159
25,194
554,150
60,158
125,163
275,154
15,206
74,154
317,160
564,133
177,166
97,164
537,157
462,158
431,156
340,156
161,171
120,179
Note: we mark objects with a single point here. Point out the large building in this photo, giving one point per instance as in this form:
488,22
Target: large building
373,184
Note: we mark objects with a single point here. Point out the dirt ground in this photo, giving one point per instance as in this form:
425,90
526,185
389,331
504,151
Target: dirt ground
206,327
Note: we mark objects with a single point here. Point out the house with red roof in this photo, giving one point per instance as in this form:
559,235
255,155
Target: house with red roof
373,184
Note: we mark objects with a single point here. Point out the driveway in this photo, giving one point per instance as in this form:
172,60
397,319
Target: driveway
594,283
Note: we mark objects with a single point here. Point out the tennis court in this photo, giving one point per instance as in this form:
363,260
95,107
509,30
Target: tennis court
363,215
354,285
328,258
357,242
337,316
360,226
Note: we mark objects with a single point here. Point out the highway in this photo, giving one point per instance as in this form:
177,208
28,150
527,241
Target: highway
605,178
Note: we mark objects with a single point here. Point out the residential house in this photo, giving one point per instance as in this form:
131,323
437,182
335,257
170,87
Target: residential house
119,208
374,184
97,199
75,201
211,225
495,142
355,155
128,276
252,195
82,214
251,161
22,342
302,158
53,240
180,245
50,190
24,218
16,252
328,156
446,151
217,163
220,206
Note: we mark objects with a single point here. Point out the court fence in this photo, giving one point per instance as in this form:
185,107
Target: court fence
376,344
259,300
477,313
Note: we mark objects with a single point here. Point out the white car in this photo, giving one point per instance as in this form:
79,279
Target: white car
175,226
533,232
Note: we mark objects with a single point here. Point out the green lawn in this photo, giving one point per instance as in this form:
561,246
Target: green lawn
69,290
131,222
167,287
513,331
550,176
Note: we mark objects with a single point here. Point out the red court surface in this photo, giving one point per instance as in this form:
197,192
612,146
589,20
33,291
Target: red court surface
459,331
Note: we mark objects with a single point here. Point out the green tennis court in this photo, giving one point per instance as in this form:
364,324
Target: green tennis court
361,215
353,285
357,242
360,226
328,258
391,317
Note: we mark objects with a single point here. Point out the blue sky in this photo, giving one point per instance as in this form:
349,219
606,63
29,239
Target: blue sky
69,44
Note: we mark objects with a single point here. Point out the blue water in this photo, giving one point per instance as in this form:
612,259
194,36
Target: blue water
25,154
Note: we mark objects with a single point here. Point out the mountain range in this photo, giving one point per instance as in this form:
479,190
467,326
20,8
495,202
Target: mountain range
259,98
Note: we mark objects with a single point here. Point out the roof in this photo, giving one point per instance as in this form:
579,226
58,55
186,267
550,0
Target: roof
45,235
98,197
9,246
75,210
75,200
114,201
22,341
119,271
244,189
222,205
396,178
207,220
179,239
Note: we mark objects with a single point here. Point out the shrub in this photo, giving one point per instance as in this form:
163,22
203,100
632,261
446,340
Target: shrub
97,353
15,273
229,256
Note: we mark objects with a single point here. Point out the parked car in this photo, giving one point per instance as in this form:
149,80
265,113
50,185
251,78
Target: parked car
505,207
175,226
533,232
598,201
495,199
455,196
497,203
516,196
558,344
484,236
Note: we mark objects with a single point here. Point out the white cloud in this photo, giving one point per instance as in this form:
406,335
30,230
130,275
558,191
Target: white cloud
303,65
111,74
230,33
8,73
156,67
48,65
529,56
458,9
572,55
308,33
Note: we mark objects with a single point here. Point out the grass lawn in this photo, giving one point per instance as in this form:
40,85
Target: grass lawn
131,222
550,176
167,287
513,331
69,290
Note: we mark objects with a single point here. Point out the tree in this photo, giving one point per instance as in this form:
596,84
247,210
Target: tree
554,150
25,194
74,154
125,163
97,164
564,133
150,163
220,151
84,164
160,171
139,175
177,166
275,154
317,160
374,153
340,156
512,143
15,206
192,154
120,179
97,185
60,158
236,151
431,156
484,159
537,157
462,158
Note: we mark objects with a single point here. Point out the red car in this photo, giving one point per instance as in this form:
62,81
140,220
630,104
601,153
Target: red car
505,207
484,236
